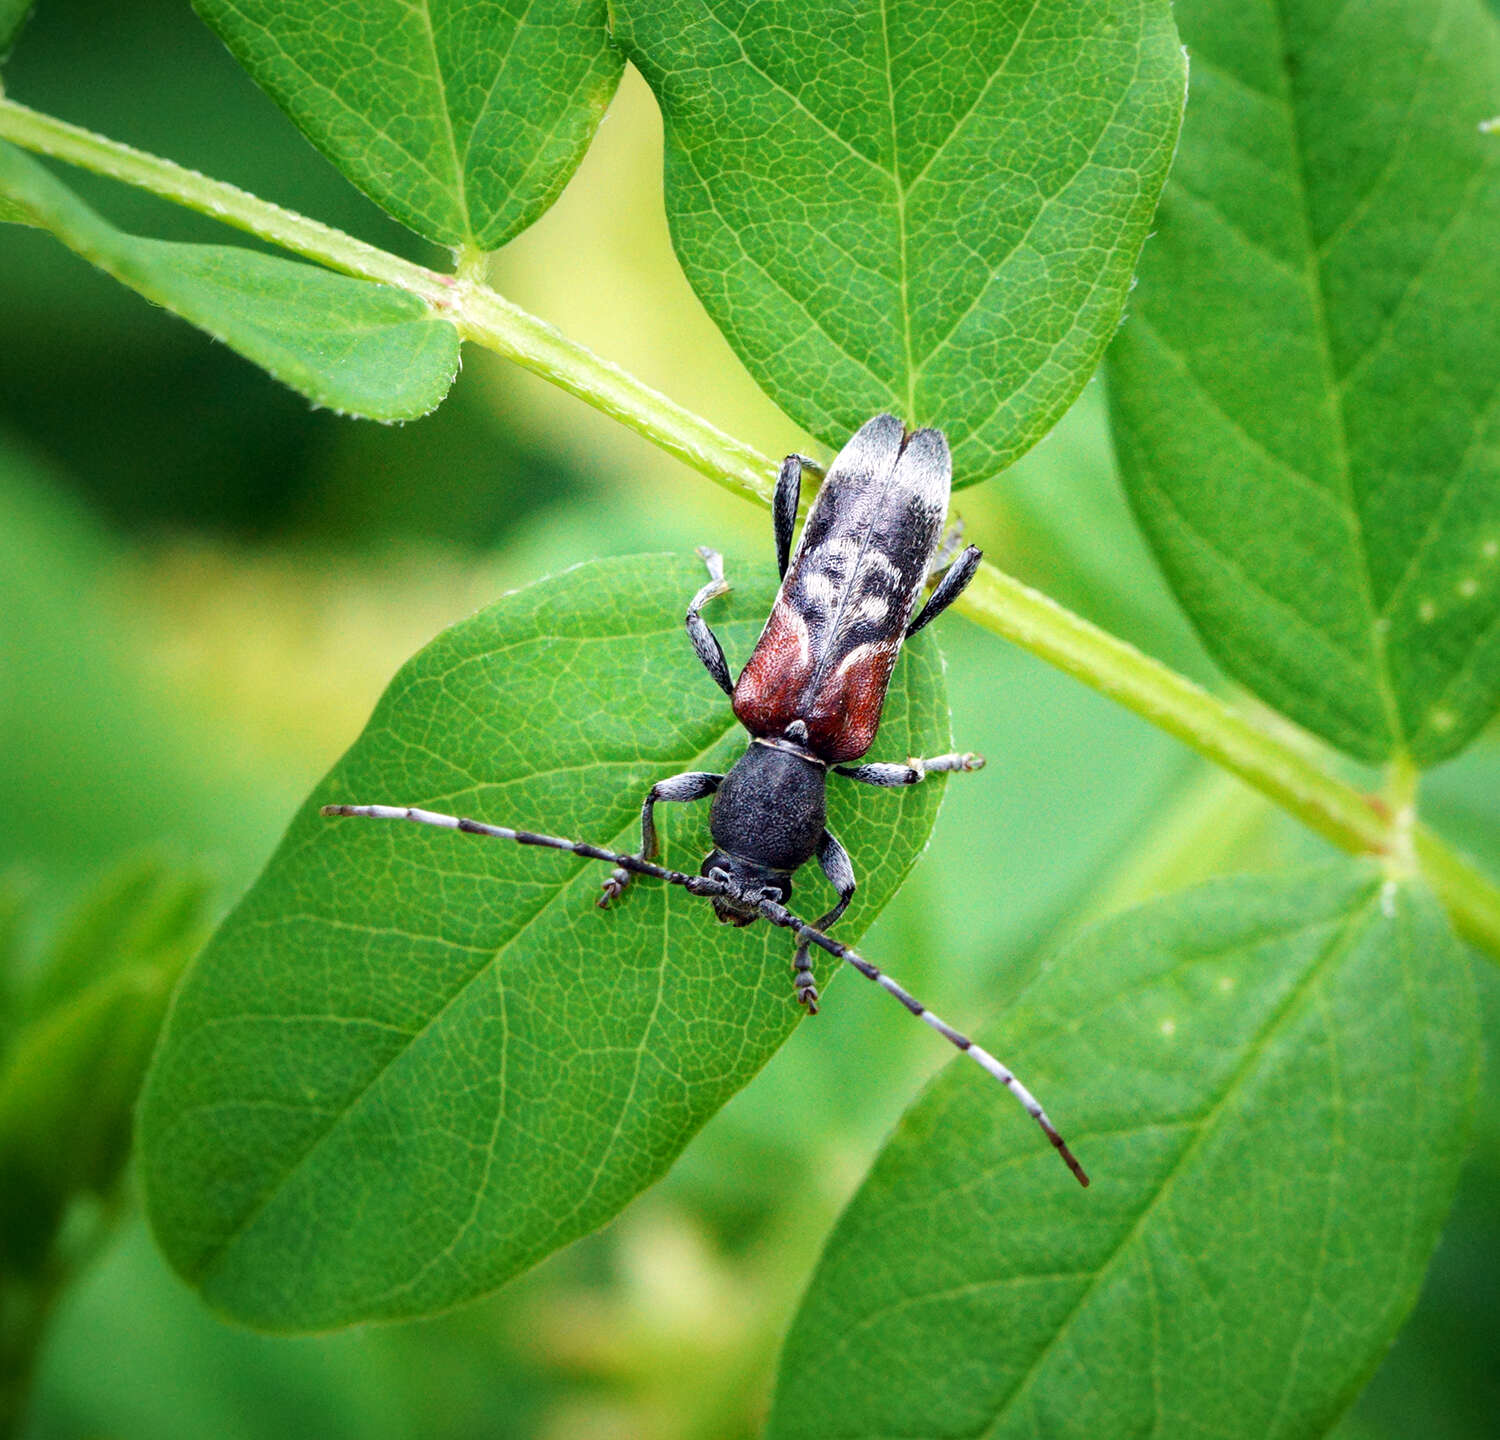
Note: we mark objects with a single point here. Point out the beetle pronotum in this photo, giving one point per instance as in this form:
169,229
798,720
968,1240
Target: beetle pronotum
810,696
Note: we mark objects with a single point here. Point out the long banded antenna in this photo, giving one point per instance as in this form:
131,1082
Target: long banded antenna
698,884
777,914
806,934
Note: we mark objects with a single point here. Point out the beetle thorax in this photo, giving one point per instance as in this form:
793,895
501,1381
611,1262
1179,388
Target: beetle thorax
771,808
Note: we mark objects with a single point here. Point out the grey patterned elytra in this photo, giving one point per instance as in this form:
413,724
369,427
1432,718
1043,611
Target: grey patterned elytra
810,696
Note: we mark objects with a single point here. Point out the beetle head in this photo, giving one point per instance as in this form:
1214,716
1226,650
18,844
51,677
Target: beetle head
748,882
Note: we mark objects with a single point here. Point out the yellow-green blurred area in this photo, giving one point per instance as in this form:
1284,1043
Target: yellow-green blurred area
204,586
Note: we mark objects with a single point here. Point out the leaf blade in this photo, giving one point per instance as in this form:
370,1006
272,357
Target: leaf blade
348,344
464,120
919,207
1262,1207
1302,398
458,1049
13,17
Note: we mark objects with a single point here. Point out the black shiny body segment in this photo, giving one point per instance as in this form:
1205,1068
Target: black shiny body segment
770,809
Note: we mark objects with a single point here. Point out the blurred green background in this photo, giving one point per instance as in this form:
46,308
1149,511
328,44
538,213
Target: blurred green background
204,585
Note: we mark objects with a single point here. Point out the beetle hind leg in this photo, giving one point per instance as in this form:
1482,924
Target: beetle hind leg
784,507
948,589
839,869
802,978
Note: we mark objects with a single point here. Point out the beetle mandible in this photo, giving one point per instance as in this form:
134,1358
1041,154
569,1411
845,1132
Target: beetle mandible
810,696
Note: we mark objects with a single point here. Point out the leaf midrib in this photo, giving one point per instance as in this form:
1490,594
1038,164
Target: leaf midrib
424,9
1318,293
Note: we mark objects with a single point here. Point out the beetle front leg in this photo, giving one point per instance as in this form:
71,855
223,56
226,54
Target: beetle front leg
914,771
692,785
837,866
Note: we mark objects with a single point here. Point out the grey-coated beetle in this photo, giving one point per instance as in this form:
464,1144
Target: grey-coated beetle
810,696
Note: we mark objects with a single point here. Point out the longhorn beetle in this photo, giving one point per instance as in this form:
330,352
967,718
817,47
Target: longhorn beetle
810,696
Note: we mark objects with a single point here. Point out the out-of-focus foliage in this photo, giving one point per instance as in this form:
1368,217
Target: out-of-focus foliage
77,1027
13,16
84,1019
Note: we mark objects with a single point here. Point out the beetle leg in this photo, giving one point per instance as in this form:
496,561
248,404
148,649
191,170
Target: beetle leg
913,772
948,547
840,872
949,588
784,507
692,785
705,642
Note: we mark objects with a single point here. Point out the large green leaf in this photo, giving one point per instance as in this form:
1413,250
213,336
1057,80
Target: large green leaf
413,1062
926,206
463,118
1305,395
352,345
1269,1082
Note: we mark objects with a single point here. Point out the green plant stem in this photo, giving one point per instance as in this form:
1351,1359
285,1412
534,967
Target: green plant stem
1295,780
480,314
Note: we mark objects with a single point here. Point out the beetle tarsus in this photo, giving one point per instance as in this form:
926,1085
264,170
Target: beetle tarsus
614,887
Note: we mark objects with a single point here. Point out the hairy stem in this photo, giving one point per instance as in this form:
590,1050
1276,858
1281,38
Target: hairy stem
1294,779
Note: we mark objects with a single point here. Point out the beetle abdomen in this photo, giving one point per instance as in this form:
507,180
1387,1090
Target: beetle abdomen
827,651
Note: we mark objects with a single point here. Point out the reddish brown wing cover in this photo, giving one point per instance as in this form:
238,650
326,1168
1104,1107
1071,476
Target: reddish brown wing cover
827,651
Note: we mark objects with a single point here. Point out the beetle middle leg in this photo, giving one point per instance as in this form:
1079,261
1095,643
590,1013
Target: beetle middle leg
705,642
691,785
914,771
840,872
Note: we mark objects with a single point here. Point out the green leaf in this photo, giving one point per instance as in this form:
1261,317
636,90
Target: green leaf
1269,1081
14,214
14,897
75,1067
1305,396
145,907
464,119
414,1062
354,346
924,206
13,17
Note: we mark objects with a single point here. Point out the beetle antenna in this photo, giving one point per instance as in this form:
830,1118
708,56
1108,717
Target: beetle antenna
807,935
777,914
697,884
